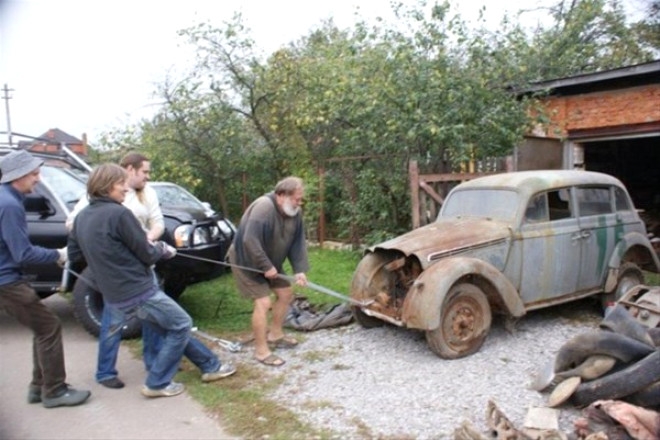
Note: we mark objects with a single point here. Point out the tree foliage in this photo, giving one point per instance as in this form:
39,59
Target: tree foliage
347,109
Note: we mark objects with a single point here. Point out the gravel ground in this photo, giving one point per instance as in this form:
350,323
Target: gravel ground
385,383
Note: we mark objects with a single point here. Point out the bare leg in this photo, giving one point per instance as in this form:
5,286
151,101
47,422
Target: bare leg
260,326
280,309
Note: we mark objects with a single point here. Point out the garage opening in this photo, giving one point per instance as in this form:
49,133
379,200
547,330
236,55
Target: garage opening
636,162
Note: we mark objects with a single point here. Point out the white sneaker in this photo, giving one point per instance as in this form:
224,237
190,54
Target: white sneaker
225,370
173,389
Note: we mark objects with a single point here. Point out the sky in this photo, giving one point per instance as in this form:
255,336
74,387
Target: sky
88,66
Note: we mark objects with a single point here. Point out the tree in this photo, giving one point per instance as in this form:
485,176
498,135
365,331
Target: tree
648,28
586,36
359,103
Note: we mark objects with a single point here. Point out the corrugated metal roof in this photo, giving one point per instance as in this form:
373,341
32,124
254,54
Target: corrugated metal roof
622,77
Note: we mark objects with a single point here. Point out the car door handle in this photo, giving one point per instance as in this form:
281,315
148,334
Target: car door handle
582,235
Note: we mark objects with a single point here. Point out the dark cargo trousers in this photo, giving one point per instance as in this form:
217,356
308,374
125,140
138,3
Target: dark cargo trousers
22,302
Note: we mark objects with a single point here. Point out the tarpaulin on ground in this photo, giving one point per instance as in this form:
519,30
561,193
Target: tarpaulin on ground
304,316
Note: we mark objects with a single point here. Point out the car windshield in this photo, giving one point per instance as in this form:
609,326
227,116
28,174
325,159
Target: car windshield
173,195
63,183
498,204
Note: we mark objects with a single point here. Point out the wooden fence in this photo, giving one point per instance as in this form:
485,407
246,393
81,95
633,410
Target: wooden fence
428,191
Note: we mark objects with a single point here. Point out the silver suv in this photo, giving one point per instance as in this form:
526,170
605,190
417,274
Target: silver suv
505,244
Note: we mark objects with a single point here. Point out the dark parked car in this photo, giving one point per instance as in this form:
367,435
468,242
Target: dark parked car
173,196
192,231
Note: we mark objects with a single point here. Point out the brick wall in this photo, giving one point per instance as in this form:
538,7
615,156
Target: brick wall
625,107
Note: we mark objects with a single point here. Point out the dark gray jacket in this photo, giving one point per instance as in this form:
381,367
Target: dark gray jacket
266,238
109,237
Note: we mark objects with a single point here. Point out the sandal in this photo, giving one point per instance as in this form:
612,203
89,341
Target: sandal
272,360
283,342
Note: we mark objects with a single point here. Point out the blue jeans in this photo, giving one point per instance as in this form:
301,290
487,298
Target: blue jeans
172,324
106,360
152,342
109,344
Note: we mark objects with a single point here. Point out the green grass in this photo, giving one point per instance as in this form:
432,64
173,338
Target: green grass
241,401
218,307
651,279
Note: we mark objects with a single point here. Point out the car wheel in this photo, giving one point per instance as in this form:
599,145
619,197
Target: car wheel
465,320
365,320
630,275
88,308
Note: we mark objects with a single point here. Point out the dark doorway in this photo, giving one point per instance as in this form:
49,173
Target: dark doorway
636,162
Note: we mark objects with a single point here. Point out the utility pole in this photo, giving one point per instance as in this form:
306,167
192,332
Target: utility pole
6,97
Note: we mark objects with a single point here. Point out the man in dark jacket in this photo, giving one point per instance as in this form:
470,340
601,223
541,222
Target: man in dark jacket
271,231
20,173
109,237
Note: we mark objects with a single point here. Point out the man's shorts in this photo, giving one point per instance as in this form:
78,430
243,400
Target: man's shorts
248,287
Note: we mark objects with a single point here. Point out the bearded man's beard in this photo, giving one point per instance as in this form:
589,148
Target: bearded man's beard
290,210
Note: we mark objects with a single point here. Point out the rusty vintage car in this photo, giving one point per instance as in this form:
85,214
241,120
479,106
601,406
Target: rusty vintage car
505,244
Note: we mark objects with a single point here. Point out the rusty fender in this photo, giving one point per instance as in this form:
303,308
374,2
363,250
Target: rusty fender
363,287
424,300
629,241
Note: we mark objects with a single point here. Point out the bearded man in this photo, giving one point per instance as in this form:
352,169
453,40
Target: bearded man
270,232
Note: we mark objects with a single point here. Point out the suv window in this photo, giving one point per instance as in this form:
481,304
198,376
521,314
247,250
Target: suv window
63,184
171,195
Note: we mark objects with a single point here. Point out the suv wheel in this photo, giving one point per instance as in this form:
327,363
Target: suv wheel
172,284
88,308
174,287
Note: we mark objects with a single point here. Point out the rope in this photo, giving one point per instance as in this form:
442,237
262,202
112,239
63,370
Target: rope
291,279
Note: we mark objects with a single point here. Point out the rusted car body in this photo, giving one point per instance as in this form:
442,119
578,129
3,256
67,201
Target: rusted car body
505,244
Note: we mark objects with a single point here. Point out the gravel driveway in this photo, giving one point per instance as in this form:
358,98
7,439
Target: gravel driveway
386,383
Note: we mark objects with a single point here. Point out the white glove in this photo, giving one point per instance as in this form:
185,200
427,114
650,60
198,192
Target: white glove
167,250
63,256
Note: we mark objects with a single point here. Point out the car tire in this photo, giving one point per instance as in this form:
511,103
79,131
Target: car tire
172,285
465,319
365,320
618,385
630,275
88,308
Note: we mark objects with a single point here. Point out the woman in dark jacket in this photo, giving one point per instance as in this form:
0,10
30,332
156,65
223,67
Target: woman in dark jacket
110,239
